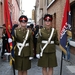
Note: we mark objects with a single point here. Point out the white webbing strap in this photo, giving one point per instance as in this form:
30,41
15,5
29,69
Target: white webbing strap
51,42
20,46
42,49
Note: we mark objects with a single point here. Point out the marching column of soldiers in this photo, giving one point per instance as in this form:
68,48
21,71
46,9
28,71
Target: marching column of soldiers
34,42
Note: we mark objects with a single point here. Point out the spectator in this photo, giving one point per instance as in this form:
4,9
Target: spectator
5,44
69,37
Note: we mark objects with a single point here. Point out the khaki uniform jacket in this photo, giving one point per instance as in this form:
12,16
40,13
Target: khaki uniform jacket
19,37
43,36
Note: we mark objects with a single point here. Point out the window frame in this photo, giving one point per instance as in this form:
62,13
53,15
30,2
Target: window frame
50,3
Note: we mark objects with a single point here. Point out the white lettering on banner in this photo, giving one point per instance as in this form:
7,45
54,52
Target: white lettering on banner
69,12
63,31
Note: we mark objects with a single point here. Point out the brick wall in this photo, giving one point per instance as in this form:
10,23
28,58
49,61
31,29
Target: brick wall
13,7
57,7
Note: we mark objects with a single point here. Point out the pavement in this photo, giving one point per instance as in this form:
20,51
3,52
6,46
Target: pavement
67,67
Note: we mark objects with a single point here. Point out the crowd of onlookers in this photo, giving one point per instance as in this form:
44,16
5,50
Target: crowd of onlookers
35,30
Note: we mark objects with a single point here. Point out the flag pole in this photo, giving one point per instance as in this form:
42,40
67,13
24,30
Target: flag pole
7,18
61,63
66,25
13,66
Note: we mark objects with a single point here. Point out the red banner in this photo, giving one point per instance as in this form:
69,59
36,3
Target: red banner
7,18
66,25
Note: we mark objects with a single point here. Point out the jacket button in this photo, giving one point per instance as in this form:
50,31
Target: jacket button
23,36
19,30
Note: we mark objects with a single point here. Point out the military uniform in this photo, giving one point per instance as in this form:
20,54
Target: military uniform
49,54
22,61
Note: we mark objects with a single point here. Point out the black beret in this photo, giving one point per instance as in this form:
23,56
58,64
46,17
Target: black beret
23,18
48,17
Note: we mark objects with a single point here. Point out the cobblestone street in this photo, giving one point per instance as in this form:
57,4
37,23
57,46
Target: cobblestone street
6,69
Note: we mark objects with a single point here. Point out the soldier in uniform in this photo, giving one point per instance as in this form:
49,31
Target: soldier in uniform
46,46
24,46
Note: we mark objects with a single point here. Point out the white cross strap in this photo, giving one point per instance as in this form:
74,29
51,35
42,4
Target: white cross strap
21,45
42,49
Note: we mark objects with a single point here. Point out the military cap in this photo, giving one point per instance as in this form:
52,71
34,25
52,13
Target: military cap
48,17
23,18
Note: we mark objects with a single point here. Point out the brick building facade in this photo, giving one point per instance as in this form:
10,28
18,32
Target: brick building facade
56,8
14,8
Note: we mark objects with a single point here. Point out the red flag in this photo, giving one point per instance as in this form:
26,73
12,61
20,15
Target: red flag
65,14
7,21
66,25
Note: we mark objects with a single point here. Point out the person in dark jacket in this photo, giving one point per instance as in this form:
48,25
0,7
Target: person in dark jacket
4,41
36,29
46,46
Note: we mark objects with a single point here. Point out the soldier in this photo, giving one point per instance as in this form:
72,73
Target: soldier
47,39
24,46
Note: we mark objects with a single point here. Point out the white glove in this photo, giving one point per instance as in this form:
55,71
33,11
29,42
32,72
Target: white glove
9,40
38,56
30,58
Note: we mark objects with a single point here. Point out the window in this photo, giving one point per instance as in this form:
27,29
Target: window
73,21
55,20
48,1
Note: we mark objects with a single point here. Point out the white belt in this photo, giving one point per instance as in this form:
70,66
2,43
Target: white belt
20,46
27,44
51,42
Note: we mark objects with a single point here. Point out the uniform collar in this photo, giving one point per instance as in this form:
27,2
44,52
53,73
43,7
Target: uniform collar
23,28
48,29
